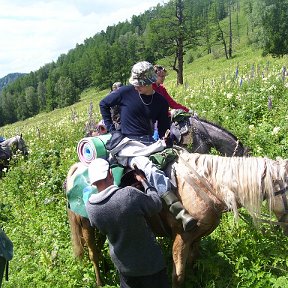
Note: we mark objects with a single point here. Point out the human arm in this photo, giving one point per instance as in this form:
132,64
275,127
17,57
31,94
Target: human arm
163,118
111,100
149,190
171,102
140,176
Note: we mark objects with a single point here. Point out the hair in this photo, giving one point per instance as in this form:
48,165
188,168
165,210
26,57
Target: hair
159,68
116,85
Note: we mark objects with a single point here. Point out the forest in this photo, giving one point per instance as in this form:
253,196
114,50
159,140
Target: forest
178,31
236,79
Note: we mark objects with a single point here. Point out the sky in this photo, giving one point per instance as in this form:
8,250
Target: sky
37,32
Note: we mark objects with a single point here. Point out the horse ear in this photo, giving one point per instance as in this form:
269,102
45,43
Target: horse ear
21,135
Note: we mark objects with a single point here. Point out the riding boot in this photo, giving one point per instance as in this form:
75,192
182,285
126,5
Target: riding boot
177,210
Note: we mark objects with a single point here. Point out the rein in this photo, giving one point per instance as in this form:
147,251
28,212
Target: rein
203,180
282,192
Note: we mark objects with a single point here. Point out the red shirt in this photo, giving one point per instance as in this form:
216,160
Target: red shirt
171,102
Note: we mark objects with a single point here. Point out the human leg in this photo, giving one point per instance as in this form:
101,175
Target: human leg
177,210
157,280
161,182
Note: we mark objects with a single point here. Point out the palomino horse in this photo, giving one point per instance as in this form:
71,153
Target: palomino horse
10,147
208,186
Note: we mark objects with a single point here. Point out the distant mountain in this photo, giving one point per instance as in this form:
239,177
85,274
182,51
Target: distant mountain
9,79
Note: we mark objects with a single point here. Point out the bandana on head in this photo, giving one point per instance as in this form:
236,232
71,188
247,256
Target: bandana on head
142,74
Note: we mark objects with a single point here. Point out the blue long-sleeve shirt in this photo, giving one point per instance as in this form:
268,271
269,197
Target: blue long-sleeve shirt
137,119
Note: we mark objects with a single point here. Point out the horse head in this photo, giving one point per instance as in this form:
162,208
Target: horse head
279,203
20,145
200,136
280,209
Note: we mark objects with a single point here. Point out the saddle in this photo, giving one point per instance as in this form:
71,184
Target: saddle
180,125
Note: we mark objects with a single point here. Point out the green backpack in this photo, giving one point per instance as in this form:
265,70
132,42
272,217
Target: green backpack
163,158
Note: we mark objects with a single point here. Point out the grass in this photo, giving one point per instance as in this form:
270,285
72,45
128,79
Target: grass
33,209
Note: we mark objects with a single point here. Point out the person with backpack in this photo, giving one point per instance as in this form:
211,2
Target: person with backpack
120,214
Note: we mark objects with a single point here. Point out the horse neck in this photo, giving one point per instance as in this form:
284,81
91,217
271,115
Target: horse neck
214,136
7,144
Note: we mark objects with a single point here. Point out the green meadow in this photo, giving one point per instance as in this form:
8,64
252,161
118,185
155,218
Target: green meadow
232,93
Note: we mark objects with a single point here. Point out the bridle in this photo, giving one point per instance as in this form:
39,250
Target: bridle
23,148
283,192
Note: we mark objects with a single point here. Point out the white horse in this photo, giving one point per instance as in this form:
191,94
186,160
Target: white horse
11,147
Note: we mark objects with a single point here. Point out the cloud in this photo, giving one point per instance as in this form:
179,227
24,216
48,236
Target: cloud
34,33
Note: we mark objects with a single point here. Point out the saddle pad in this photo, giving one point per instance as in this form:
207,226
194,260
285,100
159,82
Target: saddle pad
79,194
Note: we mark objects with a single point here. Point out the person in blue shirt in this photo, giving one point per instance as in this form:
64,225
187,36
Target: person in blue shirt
140,108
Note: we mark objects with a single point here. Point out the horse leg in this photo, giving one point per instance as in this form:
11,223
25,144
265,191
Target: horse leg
94,247
83,233
194,252
180,251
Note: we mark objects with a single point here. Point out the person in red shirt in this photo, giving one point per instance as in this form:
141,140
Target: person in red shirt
159,87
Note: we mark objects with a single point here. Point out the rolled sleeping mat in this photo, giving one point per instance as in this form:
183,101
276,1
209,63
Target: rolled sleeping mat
90,148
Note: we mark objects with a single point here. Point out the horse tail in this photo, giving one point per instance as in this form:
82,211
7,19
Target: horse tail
76,234
75,220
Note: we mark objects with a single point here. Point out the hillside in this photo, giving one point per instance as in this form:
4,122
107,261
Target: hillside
108,56
33,205
10,78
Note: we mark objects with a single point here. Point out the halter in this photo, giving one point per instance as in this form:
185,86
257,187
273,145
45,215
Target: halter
282,192
16,143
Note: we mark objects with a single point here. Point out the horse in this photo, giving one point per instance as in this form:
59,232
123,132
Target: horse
195,134
208,186
198,135
9,148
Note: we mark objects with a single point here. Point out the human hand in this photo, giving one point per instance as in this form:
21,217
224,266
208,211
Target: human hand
168,139
192,112
139,174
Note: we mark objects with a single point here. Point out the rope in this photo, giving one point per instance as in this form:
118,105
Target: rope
264,220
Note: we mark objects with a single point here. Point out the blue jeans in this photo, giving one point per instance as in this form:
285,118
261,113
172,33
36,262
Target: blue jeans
157,280
145,139
155,176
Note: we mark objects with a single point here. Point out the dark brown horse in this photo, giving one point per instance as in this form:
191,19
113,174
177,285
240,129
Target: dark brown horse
200,136
208,186
195,134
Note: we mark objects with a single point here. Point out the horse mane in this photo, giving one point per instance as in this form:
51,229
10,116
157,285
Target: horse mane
244,181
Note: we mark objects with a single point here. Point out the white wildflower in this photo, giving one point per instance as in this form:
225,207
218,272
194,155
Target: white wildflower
229,95
272,87
275,130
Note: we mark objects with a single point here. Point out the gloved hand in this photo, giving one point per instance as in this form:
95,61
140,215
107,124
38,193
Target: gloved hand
168,138
192,112
156,135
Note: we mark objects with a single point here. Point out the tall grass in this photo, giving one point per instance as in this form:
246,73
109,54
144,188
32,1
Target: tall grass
33,204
